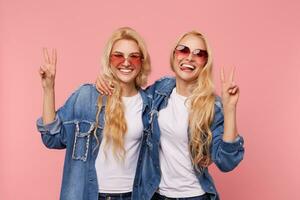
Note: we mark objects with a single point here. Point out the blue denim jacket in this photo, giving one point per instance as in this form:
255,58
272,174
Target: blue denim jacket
225,155
73,129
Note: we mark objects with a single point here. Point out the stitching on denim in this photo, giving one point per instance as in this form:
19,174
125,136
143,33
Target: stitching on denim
160,93
85,121
82,135
152,112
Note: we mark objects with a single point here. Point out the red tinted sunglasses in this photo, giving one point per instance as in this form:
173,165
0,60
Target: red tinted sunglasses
118,58
184,51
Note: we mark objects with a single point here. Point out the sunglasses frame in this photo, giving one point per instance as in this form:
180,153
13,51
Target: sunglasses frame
129,58
203,52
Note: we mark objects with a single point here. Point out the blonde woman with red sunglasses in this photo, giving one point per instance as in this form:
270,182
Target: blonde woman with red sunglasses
102,134
191,127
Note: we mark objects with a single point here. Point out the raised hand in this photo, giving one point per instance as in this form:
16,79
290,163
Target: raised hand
102,86
230,91
48,69
47,72
230,95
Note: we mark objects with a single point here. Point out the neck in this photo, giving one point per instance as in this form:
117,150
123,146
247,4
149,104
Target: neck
128,89
184,88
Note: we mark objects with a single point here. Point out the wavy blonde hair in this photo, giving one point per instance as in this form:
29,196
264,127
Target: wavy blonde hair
115,126
201,109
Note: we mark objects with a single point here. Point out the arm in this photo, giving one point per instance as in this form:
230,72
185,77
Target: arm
50,124
47,74
54,133
104,88
227,146
230,95
225,154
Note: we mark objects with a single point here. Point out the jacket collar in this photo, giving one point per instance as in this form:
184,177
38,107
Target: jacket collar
165,86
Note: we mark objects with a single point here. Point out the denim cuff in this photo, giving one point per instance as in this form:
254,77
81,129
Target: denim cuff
233,146
51,128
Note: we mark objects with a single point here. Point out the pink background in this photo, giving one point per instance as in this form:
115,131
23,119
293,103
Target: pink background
260,38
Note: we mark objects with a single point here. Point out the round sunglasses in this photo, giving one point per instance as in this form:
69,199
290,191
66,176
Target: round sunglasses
184,51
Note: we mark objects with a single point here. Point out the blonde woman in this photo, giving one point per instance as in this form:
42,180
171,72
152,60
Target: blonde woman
191,127
102,134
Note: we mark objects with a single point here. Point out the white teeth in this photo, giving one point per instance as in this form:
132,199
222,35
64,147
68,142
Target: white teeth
126,70
188,66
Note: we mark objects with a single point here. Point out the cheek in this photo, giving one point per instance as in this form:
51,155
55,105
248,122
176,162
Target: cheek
114,63
113,68
136,62
201,65
200,62
175,64
138,68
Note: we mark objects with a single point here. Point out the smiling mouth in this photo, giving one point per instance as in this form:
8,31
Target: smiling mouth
125,70
187,67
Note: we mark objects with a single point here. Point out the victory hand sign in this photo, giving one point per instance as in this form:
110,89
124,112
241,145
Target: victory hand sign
47,73
230,95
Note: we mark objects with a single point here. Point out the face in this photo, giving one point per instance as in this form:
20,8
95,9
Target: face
126,60
190,57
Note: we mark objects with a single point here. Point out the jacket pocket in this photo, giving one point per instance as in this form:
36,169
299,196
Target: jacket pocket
81,144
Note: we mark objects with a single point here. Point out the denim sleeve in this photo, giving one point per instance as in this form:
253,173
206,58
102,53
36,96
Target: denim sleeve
54,134
226,155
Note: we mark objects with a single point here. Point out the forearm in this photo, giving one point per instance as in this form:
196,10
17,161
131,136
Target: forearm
230,125
48,106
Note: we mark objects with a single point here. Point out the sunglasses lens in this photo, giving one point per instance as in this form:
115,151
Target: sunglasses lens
181,50
116,59
134,59
200,53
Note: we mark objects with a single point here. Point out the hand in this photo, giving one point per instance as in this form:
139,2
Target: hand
102,86
230,91
48,69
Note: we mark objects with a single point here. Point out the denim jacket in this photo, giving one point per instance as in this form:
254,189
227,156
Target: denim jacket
225,155
73,129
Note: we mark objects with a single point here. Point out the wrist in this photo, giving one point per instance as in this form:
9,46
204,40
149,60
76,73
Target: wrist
48,90
229,109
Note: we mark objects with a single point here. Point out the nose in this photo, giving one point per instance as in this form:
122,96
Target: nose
190,56
126,62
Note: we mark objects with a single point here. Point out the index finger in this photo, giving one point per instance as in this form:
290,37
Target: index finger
46,55
231,77
54,56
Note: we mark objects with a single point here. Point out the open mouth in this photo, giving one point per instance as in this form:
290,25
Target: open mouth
187,67
125,70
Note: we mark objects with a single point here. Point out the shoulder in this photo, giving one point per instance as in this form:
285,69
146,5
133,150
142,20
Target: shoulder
85,93
86,87
165,85
162,85
165,80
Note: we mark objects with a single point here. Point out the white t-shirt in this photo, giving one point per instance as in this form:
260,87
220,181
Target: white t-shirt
117,176
178,177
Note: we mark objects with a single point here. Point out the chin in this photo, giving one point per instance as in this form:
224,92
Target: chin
187,77
126,80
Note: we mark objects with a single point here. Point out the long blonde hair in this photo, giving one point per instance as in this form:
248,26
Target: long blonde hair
201,109
115,126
